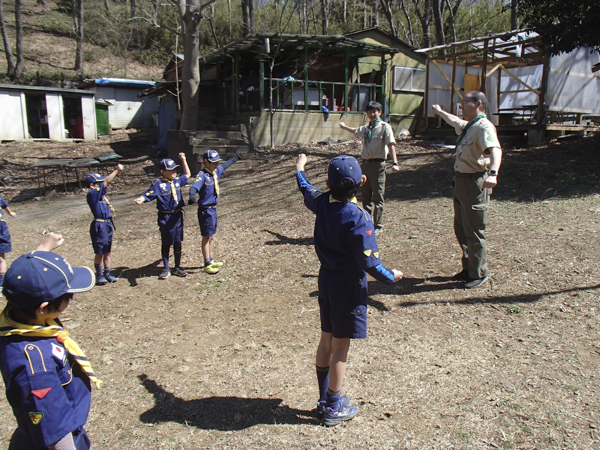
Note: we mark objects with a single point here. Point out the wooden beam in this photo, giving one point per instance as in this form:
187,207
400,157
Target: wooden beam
521,81
448,80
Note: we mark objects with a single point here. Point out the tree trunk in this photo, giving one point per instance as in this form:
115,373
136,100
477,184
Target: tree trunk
325,18
78,21
136,29
387,11
409,34
375,21
248,16
10,62
229,12
425,19
106,5
190,76
438,14
514,17
20,63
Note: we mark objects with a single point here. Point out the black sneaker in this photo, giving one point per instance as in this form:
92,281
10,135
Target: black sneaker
332,418
475,283
461,276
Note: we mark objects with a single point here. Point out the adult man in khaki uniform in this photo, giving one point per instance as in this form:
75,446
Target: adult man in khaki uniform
378,138
478,159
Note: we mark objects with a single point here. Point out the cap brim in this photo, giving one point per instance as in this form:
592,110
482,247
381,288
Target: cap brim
83,280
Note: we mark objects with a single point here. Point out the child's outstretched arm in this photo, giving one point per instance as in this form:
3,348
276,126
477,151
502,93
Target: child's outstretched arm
113,174
9,212
184,165
139,200
50,241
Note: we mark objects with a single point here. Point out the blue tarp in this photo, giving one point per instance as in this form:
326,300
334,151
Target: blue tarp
124,82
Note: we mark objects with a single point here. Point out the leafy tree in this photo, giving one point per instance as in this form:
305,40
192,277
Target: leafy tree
562,25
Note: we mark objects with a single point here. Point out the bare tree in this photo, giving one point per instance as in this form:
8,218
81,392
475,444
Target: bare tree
325,19
410,37
386,6
248,16
10,62
425,19
136,30
20,63
514,17
77,11
191,13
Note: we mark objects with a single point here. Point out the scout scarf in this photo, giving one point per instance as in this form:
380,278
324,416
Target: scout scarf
369,130
173,190
464,132
216,180
9,327
112,210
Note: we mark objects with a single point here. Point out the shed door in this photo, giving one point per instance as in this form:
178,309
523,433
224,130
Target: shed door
56,125
88,110
11,117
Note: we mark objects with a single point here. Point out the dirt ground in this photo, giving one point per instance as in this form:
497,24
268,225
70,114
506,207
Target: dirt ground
227,361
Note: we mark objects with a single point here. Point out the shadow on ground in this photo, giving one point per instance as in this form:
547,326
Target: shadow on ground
220,413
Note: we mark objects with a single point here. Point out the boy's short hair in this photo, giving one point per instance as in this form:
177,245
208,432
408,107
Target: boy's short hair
31,311
374,105
211,156
94,178
167,164
39,277
345,191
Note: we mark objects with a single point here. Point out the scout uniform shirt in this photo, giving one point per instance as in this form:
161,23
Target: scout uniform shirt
344,233
381,136
49,393
5,244
161,190
470,156
98,203
205,184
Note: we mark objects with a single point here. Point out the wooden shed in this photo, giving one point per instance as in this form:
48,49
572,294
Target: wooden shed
32,112
126,108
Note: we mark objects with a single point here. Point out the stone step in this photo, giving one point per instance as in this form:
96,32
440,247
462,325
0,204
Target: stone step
223,149
216,141
217,135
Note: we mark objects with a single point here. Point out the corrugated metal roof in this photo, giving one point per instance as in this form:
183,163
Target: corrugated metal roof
17,87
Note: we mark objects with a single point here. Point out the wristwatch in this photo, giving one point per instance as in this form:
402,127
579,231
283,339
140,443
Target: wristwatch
492,173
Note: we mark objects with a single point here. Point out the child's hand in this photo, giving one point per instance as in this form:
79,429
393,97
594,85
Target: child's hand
300,162
397,275
12,214
139,200
182,156
120,167
50,241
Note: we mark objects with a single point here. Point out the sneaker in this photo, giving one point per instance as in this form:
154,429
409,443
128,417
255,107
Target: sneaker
110,278
332,418
216,263
180,272
475,283
461,276
166,273
101,281
321,406
378,231
211,269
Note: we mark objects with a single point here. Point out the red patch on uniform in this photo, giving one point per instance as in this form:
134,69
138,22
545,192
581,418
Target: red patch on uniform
41,393
369,232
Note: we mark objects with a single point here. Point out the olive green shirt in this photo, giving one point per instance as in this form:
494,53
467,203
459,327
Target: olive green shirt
472,155
381,136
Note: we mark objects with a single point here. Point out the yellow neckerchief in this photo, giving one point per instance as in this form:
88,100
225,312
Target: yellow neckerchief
214,178
105,198
9,327
173,190
333,200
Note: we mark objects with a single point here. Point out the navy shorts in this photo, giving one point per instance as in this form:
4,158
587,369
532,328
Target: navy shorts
207,218
171,227
102,236
5,245
343,303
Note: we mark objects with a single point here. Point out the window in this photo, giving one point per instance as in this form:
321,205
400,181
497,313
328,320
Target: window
409,79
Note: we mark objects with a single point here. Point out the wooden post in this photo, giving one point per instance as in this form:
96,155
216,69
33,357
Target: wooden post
453,81
305,78
346,80
484,67
261,76
383,82
236,84
426,98
541,113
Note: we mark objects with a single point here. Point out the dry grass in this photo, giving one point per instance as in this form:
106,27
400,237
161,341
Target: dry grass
226,361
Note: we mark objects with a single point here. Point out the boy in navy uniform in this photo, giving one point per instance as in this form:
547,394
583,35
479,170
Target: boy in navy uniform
101,228
346,246
166,190
207,188
5,244
46,374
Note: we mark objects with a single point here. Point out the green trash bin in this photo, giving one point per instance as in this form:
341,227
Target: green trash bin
102,125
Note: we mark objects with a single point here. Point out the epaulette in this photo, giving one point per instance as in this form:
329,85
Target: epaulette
35,358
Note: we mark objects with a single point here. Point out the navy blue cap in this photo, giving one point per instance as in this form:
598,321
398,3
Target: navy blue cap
39,277
167,164
212,156
344,167
94,178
